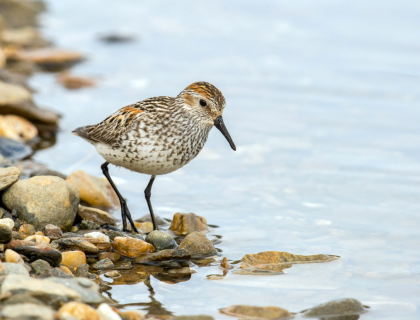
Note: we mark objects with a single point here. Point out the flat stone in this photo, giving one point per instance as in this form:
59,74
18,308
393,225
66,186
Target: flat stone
13,268
337,307
35,251
26,311
95,191
13,257
7,222
161,240
39,239
5,234
8,176
70,235
186,223
44,200
78,244
73,259
168,254
51,293
95,215
82,270
87,289
77,310
256,312
103,264
198,245
27,230
131,247
107,313
53,232
113,256
88,225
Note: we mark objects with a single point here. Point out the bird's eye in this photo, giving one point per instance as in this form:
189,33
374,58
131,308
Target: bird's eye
203,103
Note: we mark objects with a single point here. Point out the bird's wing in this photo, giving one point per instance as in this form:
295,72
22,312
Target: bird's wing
109,130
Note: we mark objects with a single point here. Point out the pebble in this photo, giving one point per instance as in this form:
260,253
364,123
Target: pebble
44,200
112,274
82,270
113,256
17,128
337,307
95,191
97,235
198,245
8,176
13,268
88,225
256,312
186,223
168,254
74,229
106,312
38,239
78,244
7,222
53,232
73,259
35,251
13,257
77,310
103,264
5,234
131,247
95,215
161,240
27,230
26,311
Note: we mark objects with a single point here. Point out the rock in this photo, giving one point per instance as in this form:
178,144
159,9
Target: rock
95,191
95,215
27,311
26,36
11,150
103,264
97,235
51,59
53,232
225,264
29,168
88,290
113,233
168,254
35,251
16,235
346,306
74,229
13,257
82,270
16,14
5,234
79,311
112,274
66,270
11,94
161,240
7,222
44,200
73,259
198,245
27,230
183,270
40,266
124,266
49,292
89,225
256,312
277,261
38,239
113,256
131,247
44,270
13,268
8,176
78,244
147,218
72,82
186,223
17,128
106,312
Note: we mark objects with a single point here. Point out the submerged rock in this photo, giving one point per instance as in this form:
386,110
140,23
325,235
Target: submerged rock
97,216
131,247
161,240
337,307
186,223
17,128
95,191
25,311
44,200
8,176
11,150
198,245
256,312
73,259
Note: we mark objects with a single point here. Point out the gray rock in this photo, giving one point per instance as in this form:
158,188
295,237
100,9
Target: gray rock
161,240
8,176
113,233
40,266
43,270
78,244
44,200
82,270
13,150
89,225
146,218
88,290
14,268
103,264
198,245
164,255
5,234
337,307
27,311
16,235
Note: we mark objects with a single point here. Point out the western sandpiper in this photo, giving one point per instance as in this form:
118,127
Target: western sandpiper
158,135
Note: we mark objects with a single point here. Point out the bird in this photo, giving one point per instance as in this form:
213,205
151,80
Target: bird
157,136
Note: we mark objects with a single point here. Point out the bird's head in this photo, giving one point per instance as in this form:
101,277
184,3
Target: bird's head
207,102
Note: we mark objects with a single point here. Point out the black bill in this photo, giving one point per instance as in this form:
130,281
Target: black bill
219,124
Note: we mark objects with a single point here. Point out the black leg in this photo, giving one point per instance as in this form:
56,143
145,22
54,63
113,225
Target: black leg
148,194
125,213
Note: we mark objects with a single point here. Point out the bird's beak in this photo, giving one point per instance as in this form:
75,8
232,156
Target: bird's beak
219,124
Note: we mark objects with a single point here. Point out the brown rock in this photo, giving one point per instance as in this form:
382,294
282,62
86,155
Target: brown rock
34,251
186,223
145,227
78,244
95,215
27,230
53,232
78,310
17,128
73,259
256,312
51,59
346,308
198,245
73,82
66,270
163,255
8,176
131,247
133,315
225,264
95,191
113,256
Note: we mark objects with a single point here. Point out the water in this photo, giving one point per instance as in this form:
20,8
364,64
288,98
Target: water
322,102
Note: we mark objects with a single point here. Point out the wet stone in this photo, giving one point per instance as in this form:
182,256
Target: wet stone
95,215
165,264
5,234
113,256
40,266
35,251
346,306
107,313
17,128
73,259
161,240
168,254
88,225
186,223
66,270
8,176
91,260
131,247
53,232
27,230
198,245
82,270
78,244
256,312
103,264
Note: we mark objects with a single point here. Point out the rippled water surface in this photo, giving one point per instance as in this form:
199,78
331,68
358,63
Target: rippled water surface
323,104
